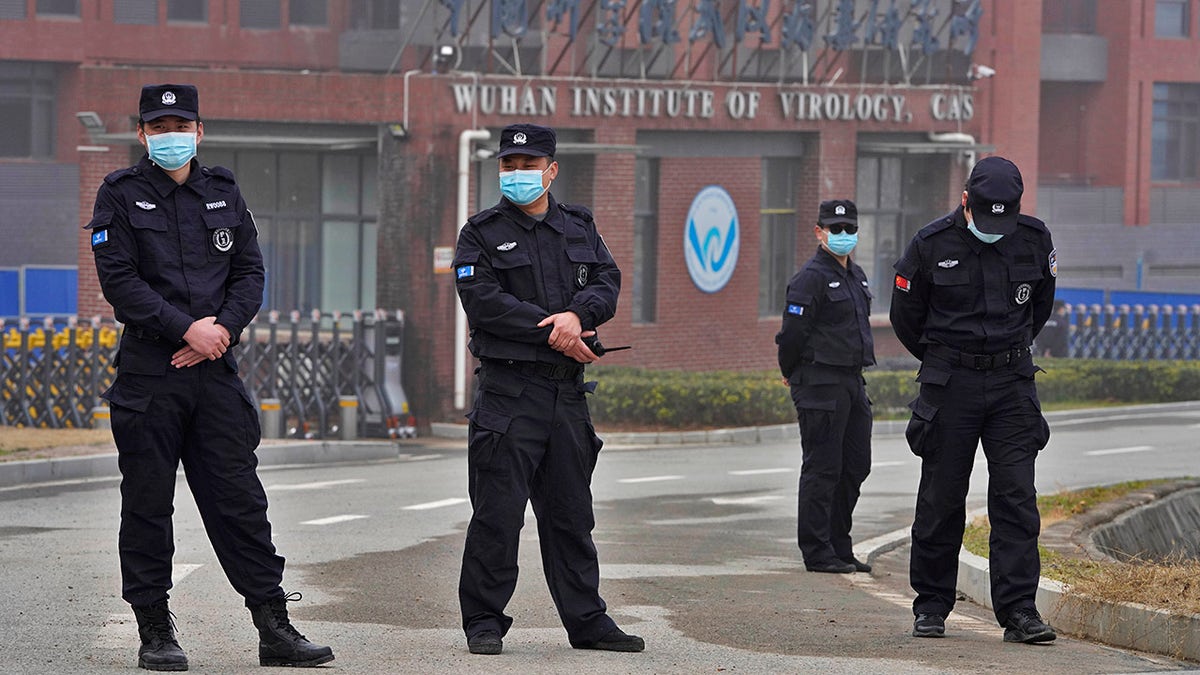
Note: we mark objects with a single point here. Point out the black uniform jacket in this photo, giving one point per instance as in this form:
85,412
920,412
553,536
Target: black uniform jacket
954,290
512,271
827,317
170,254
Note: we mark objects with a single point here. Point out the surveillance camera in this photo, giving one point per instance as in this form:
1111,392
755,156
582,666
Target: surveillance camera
979,71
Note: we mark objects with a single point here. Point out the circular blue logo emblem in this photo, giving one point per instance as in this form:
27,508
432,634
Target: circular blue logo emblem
711,238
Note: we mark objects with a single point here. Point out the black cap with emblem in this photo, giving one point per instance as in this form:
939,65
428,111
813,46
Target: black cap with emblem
160,100
994,195
836,211
527,139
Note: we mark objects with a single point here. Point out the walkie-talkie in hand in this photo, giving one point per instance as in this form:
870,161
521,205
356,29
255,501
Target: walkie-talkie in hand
593,343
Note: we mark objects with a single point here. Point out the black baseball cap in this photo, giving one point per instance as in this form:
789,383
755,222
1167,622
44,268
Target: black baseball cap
837,211
994,195
527,139
160,100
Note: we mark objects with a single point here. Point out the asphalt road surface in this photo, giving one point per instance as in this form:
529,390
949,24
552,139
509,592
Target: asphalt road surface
697,555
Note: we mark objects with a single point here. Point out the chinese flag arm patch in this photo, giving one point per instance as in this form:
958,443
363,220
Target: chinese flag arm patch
903,284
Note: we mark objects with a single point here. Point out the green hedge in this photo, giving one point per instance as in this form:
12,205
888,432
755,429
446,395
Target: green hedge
638,398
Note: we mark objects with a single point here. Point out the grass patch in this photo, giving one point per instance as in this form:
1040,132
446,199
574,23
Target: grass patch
1171,584
19,439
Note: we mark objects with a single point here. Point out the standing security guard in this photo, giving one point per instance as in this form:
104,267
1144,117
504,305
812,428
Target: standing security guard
824,344
971,293
535,278
177,255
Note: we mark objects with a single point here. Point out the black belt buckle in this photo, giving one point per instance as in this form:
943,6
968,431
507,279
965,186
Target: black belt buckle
983,361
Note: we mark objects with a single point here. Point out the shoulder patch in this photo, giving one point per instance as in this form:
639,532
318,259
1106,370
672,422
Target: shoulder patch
483,216
575,209
117,175
99,238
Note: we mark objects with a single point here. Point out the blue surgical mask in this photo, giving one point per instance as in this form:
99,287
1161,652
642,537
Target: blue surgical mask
983,236
522,187
171,150
842,243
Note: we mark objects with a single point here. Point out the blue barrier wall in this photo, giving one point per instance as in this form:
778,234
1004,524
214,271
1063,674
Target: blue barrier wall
48,291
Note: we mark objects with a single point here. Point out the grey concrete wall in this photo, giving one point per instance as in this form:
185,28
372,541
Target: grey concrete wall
1166,526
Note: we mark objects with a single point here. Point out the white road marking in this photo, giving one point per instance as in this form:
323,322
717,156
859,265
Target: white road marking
876,465
319,485
453,501
119,631
758,499
1119,451
759,472
959,620
649,479
333,519
181,570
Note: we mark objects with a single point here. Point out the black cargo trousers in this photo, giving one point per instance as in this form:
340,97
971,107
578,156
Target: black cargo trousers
835,420
960,407
531,440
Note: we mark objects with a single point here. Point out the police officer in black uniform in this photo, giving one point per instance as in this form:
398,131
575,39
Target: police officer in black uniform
177,254
972,290
824,344
535,279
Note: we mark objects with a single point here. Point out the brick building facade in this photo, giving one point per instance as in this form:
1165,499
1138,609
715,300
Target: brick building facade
344,122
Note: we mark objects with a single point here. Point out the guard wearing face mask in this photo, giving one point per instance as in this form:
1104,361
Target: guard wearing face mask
824,344
972,291
177,254
535,278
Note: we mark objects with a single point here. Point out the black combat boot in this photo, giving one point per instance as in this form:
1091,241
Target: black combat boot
159,650
279,643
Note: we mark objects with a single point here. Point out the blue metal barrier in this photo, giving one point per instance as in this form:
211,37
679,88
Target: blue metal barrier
1134,332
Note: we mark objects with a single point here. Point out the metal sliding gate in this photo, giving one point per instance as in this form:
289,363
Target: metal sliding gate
309,368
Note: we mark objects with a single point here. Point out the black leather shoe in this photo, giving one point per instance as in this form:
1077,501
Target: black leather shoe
929,625
486,642
616,640
1026,625
859,566
833,566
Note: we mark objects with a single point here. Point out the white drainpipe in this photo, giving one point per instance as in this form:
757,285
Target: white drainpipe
465,139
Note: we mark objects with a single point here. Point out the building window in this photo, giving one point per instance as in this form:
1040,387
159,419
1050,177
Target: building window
187,10
264,14
307,13
27,108
645,241
317,224
1069,16
142,12
58,7
375,14
778,223
1175,136
1171,19
12,9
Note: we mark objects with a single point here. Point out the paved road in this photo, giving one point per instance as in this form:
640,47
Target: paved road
696,547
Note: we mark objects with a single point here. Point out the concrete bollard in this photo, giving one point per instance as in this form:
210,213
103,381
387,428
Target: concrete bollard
100,417
349,421
270,417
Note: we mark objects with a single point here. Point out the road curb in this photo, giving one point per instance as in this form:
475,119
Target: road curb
33,471
1120,624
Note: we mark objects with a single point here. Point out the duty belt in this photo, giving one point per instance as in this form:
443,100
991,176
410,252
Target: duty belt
550,371
978,361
